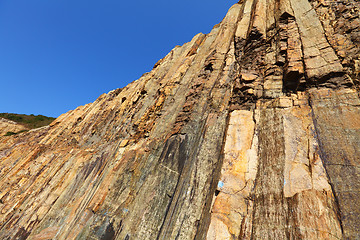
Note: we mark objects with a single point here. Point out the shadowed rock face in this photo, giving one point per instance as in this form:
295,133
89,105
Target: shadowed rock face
249,132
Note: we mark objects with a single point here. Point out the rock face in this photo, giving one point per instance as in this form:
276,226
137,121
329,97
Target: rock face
249,132
10,126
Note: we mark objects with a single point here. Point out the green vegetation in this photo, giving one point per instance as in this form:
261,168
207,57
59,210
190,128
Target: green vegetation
29,121
14,133
10,133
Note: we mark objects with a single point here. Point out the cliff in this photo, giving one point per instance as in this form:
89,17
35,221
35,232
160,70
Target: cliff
249,132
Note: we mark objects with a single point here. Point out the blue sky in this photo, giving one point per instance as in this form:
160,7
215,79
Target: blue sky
58,54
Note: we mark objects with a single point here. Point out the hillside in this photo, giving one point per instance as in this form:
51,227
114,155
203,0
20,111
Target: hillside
12,123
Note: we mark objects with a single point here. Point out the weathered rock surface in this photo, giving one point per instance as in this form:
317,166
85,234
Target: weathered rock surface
249,132
10,126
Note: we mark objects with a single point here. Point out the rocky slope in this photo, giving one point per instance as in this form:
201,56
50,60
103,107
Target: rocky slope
249,132
10,126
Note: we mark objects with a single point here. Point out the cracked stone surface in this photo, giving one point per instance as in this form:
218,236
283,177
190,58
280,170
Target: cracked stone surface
249,132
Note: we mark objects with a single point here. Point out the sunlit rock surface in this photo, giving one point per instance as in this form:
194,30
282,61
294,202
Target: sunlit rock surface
10,126
249,132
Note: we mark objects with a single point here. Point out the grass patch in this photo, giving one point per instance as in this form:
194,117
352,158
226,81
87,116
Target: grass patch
10,133
14,133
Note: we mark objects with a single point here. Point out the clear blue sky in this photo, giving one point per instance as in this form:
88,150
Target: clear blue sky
58,54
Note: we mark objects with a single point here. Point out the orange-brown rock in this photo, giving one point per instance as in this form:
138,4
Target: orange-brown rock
249,132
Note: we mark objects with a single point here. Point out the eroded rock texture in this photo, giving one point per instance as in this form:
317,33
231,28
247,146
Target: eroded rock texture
249,132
